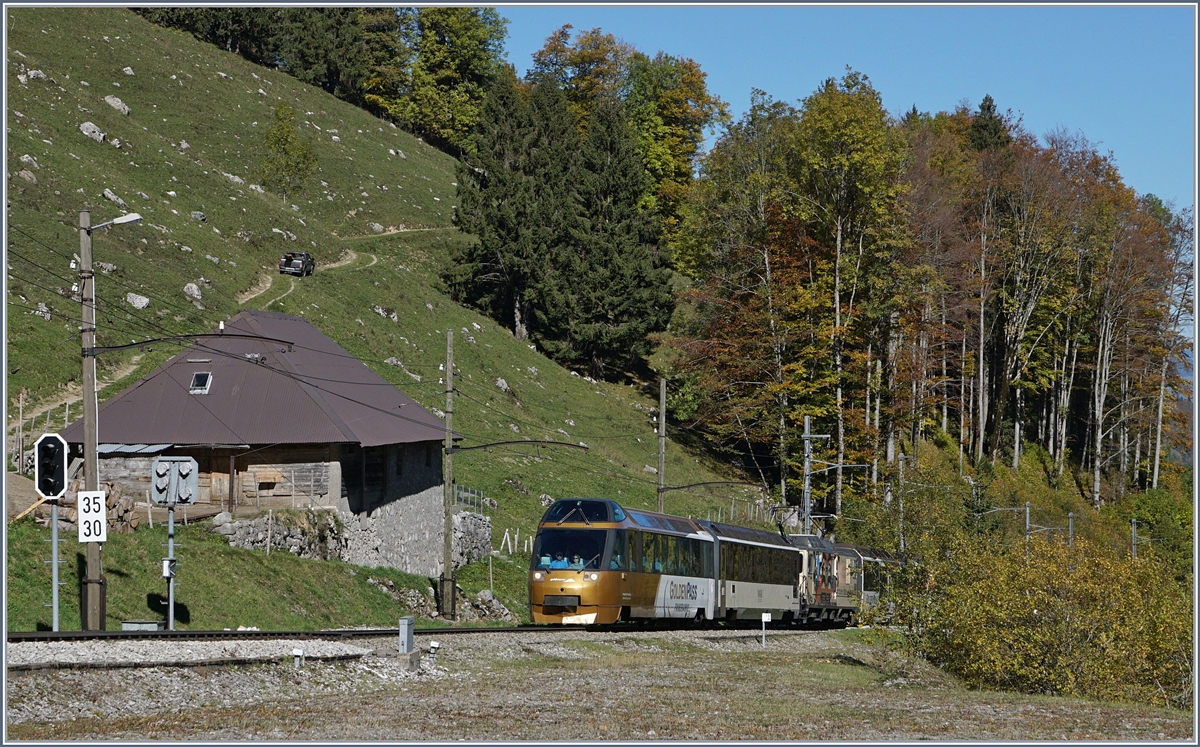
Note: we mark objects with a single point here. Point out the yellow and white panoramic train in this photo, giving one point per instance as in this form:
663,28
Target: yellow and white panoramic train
595,562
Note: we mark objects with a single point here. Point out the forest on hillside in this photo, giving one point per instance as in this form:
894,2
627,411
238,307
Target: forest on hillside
947,273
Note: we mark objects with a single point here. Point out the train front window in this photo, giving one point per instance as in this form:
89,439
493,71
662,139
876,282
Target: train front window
569,549
578,510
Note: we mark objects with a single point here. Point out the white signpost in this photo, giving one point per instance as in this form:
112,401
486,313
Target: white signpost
766,618
92,516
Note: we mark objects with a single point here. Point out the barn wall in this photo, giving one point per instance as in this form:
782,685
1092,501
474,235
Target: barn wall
394,519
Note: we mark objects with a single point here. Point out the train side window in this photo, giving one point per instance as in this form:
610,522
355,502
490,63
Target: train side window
646,555
620,552
706,558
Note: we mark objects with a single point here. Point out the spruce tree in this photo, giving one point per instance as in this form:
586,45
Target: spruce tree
987,130
495,203
552,169
621,285
565,257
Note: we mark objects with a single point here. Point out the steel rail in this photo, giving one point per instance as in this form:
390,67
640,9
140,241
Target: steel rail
42,636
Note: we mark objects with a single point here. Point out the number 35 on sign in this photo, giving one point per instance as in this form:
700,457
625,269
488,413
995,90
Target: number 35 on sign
92,516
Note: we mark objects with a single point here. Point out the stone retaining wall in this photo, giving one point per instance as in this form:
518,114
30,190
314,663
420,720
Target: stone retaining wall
360,539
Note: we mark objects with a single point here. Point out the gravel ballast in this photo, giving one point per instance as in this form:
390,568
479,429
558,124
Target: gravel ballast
552,685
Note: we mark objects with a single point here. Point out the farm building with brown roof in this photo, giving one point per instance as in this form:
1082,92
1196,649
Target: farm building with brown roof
276,414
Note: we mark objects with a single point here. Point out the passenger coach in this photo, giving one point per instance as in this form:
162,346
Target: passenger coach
595,562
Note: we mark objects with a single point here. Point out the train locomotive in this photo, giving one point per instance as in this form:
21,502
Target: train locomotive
596,563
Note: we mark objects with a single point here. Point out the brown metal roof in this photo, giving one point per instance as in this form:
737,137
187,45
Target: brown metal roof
264,393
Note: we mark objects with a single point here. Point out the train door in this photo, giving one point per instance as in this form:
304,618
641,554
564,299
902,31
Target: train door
638,584
803,583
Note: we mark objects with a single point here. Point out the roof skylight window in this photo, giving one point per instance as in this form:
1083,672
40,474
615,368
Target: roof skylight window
201,381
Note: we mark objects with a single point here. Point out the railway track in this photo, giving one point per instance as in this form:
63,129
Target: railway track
344,635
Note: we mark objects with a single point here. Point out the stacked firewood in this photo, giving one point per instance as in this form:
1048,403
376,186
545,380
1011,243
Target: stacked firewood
123,516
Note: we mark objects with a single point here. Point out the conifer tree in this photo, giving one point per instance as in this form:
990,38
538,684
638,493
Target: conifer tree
495,203
988,130
552,170
621,287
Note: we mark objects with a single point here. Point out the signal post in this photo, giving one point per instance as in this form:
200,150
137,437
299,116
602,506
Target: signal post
50,481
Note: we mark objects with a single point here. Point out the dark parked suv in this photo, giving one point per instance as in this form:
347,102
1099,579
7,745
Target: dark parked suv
297,263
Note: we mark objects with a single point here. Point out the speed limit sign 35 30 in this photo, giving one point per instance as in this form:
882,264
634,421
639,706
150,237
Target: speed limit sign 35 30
92,516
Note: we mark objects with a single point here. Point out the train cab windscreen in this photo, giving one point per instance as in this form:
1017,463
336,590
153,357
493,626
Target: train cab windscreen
581,510
569,549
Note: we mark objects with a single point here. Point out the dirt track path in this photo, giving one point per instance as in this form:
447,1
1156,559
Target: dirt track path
374,259
350,257
291,288
259,288
72,393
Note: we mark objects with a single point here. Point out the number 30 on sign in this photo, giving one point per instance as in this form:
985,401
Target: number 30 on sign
92,516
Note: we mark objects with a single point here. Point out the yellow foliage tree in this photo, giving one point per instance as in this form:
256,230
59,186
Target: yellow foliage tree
1079,621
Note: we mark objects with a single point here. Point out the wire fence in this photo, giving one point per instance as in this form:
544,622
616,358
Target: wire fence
473,499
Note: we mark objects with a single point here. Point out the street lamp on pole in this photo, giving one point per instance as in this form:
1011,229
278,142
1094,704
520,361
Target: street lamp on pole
94,592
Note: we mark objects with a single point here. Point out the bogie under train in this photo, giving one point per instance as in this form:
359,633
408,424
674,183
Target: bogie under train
595,562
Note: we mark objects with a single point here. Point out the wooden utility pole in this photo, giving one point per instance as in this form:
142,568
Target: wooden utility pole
447,595
93,584
21,434
662,441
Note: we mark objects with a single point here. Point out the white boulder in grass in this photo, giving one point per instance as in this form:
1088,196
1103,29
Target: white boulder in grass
136,301
112,197
27,175
30,160
128,71
192,290
117,104
92,131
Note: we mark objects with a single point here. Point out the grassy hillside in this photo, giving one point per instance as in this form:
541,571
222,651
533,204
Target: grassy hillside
182,90
197,116
220,587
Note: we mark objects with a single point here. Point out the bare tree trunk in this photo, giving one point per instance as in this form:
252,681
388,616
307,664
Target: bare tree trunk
945,381
519,330
1137,463
782,398
837,362
1016,462
878,396
1123,432
893,344
1158,422
1099,396
981,422
867,409
962,401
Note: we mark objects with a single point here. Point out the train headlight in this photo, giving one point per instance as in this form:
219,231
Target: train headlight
591,577
538,575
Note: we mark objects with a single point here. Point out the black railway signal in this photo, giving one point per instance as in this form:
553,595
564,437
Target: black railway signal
50,466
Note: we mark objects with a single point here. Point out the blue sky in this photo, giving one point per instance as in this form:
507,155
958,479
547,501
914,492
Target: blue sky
1123,76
